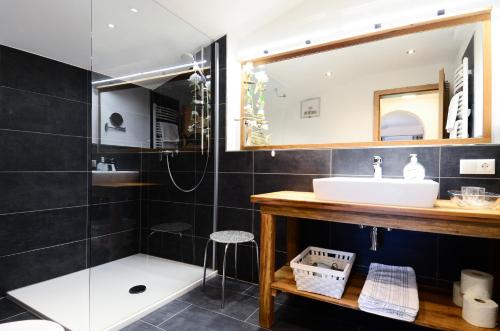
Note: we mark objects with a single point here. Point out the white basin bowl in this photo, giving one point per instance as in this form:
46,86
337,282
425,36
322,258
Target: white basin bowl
385,191
114,177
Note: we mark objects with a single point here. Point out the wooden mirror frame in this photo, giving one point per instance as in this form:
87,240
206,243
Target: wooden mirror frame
483,16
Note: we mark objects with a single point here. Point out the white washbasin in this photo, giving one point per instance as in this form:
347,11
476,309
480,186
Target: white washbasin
114,177
385,191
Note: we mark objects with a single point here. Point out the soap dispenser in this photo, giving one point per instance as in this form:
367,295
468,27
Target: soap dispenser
414,170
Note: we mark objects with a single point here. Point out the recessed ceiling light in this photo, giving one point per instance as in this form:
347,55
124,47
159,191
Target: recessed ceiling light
111,26
134,10
410,51
328,74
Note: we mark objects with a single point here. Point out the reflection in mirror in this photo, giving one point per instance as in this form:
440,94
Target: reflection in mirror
428,85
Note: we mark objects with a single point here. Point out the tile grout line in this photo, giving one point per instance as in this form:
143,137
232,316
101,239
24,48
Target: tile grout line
16,315
256,310
45,133
214,311
43,248
157,327
44,94
168,319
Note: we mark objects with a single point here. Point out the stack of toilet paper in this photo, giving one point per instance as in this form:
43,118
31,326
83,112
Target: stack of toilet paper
473,293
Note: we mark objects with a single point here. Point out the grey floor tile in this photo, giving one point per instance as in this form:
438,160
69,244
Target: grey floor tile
9,309
236,305
141,326
195,318
165,312
20,317
231,284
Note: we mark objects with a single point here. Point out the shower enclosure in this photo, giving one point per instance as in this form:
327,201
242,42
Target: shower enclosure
148,166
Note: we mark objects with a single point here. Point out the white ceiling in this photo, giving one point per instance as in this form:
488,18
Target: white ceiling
153,38
439,48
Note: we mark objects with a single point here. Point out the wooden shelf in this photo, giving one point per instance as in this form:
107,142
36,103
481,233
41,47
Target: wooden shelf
436,307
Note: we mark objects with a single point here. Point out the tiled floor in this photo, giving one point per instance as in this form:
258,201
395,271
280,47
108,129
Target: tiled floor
200,310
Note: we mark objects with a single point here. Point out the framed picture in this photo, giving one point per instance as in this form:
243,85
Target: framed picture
310,107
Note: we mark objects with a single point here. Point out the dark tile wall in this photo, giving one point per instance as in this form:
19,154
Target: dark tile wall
437,259
52,220
44,114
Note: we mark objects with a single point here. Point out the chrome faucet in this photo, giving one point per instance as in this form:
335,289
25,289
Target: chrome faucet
377,167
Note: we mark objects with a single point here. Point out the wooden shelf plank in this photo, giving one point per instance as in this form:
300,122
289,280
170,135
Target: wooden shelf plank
436,307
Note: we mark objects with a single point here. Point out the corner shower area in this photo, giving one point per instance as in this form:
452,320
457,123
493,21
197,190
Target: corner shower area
120,113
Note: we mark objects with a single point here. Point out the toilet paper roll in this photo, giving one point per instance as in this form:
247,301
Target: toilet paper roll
476,283
457,294
480,312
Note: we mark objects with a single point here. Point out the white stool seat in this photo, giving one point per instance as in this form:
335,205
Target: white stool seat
31,325
232,237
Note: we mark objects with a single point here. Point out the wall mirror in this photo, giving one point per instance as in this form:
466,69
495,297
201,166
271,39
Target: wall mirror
426,83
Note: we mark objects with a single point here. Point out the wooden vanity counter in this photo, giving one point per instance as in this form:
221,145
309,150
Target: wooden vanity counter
436,307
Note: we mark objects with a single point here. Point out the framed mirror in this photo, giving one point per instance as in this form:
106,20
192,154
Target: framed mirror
427,83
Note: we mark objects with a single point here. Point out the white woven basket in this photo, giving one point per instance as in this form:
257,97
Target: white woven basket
321,280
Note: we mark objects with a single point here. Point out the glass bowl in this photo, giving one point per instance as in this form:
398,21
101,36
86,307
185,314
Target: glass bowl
482,201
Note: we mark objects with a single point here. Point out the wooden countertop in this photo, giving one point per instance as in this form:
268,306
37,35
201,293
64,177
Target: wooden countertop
444,217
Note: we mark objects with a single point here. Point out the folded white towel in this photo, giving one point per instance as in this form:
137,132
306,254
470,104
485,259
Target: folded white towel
452,112
390,291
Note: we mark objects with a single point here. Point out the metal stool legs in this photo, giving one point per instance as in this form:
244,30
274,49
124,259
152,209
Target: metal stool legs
224,266
224,276
205,263
257,257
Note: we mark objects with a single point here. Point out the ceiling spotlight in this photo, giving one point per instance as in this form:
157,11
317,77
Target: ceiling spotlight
134,10
328,74
410,51
111,26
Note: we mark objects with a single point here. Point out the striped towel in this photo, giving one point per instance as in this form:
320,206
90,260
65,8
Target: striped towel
390,291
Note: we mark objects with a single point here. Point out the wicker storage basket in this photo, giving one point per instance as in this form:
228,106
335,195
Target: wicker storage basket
322,280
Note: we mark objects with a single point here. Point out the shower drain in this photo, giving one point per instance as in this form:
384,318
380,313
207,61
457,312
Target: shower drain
137,289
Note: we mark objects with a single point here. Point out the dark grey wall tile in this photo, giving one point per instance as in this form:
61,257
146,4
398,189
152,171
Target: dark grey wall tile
35,266
234,219
235,190
293,161
170,246
113,217
166,190
415,249
451,155
25,71
275,182
445,184
170,212
204,194
234,161
33,230
26,151
27,111
42,190
103,194
457,253
360,161
203,225
113,247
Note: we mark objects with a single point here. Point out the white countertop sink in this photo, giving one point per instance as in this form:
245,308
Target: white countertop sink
114,177
385,191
